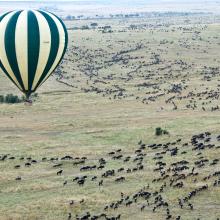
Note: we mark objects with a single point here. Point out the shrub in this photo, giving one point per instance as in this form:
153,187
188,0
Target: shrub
165,132
13,99
1,98
159,131
10,99
94,24
34,95
85,27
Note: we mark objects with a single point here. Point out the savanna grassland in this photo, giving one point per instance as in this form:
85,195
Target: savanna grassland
87,149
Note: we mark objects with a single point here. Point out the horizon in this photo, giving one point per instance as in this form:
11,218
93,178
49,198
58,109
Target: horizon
106,7
103,1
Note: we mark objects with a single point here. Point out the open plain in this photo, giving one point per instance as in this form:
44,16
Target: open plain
87,149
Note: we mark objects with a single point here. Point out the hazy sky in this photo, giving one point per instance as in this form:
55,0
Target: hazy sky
143,1
48,0
102,7
124,0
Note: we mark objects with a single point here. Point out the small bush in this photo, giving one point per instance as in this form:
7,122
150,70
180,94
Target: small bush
165,132
94,24
10,99
85,27
159,131
34,95
1,98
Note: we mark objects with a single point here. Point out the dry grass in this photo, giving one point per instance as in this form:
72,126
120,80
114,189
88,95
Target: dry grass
68,121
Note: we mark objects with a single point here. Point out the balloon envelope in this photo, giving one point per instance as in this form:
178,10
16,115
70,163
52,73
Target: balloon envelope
32,44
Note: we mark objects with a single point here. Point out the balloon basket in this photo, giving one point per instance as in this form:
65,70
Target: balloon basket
27,100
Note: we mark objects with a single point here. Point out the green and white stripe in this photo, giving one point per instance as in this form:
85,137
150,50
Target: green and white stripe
32,44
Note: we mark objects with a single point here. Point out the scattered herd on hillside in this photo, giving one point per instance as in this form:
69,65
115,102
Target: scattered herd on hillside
156,69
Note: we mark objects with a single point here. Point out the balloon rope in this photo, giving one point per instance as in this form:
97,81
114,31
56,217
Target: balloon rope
27,94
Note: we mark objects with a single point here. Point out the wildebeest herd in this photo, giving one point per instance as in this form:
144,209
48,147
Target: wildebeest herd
154,61
199,167
90,153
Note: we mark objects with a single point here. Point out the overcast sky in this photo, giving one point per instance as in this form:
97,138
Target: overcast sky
123,0
145,1
90,7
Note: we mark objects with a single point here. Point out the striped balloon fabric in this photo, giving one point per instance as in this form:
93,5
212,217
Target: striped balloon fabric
32,44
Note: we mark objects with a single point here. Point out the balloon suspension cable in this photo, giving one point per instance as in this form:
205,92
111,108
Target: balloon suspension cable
27,97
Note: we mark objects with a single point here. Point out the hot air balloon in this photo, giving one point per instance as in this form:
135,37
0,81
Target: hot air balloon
32,44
